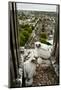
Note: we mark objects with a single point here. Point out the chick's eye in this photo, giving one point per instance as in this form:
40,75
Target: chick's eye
39,44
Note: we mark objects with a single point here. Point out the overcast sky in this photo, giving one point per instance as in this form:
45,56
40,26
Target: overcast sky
36,7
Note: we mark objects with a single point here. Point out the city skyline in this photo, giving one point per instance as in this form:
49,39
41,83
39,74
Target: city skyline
37,7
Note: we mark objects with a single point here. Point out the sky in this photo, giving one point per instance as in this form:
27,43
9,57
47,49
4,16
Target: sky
36,7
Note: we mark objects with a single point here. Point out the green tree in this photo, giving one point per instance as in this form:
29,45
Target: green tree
43,35
21,39
26,34
44,41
